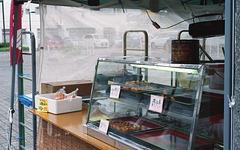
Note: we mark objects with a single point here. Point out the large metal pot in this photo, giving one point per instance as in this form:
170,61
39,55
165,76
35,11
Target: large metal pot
185,51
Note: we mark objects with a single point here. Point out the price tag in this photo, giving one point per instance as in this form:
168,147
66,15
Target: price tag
103,126
156,103
115,91
43,105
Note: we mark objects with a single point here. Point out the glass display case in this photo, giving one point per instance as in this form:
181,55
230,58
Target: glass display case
149,104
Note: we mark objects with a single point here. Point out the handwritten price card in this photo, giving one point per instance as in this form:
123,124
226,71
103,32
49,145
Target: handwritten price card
43,105
115,91
103,127
156,103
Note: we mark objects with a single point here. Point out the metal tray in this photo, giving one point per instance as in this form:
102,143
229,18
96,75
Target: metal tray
172,140
144,124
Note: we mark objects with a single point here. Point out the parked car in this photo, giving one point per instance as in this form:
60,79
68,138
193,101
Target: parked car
53,41
73,42
95,41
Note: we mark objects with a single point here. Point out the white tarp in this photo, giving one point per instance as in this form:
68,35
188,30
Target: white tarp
69,52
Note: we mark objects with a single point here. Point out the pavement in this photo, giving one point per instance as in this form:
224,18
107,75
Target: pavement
5,97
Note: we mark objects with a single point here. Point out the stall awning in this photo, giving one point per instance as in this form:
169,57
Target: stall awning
153,5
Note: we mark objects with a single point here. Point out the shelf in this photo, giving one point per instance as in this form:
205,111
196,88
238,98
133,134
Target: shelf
176,115
207,89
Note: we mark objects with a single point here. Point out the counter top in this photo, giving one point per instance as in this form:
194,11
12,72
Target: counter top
72,123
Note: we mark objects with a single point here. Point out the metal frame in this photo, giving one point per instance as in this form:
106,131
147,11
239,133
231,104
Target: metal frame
145,48
4,32
125,42
196,109
21,123
229,26
228,68
11,109
34,121
193,119
91,96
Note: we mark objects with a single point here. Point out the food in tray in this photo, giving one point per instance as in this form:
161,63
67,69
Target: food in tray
124,126
61,94
58,96
137,86
172,98
69,96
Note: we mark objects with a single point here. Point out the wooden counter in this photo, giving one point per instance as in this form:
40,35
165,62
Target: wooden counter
72,123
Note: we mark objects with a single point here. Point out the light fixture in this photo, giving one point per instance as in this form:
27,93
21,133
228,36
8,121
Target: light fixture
166,68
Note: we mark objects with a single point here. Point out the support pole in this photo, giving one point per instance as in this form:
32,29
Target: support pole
11,110
30,25
4,32
228,73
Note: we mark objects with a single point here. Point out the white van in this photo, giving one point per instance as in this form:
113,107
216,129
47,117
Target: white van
95,41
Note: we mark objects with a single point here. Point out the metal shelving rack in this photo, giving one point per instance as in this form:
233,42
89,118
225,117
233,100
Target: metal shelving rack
22,99
25,100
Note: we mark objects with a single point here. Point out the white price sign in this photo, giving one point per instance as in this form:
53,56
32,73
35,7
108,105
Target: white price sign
115,91
156,103
103,126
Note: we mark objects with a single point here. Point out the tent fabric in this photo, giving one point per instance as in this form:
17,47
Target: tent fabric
182,8
69,55
154,5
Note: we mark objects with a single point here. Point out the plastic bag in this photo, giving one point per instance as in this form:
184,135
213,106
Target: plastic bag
60,94
71,95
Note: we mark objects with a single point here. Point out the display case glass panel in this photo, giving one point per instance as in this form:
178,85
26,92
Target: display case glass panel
150,103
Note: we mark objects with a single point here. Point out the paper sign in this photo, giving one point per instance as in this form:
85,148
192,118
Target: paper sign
103,126
115,91
156,103
43,105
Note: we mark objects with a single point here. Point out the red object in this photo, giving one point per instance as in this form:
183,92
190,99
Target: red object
173,140
53,42
19,31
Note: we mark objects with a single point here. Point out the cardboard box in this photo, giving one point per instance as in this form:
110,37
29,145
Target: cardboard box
60,106
84,87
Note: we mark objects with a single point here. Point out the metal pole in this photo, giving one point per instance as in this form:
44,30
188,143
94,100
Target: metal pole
4,32
34,121
21,133
233,72
179,34
203,48
196,109
11,111
227,73
30,26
